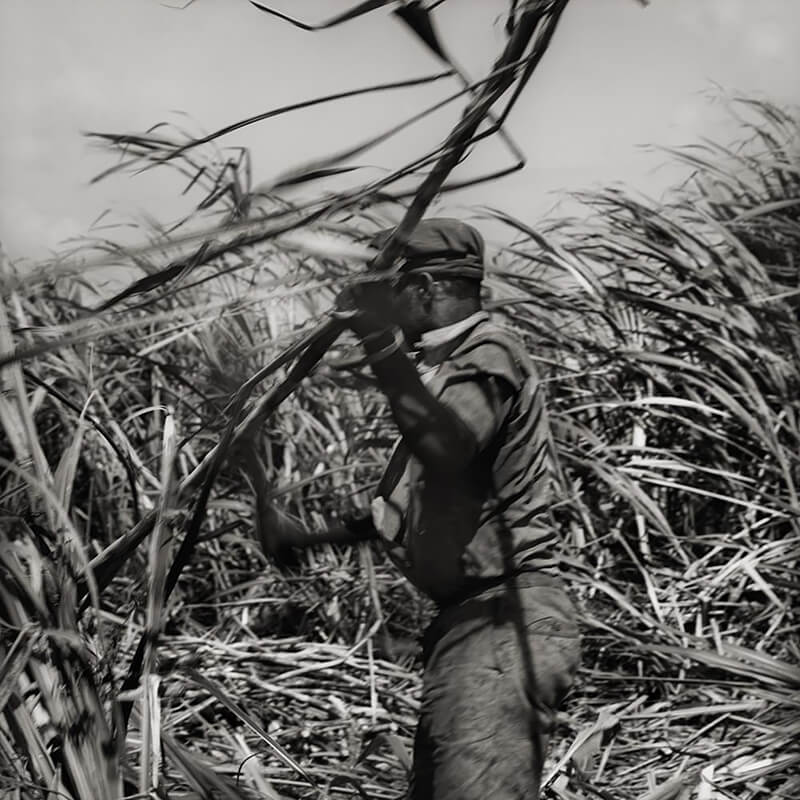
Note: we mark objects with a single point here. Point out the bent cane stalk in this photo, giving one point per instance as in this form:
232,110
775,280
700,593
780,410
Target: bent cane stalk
314,346
537,18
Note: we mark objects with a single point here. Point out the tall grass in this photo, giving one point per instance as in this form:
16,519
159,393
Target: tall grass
667,334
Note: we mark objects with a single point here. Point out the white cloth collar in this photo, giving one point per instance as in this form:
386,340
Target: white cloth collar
439,336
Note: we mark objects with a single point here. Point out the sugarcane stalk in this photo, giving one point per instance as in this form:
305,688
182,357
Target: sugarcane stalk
312,347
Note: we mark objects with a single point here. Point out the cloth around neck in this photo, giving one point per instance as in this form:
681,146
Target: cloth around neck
439,336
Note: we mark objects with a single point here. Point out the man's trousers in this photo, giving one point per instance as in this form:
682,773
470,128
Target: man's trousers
497,666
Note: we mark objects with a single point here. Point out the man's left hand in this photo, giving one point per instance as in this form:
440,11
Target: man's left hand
367,307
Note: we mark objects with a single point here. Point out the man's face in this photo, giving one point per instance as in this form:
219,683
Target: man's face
411,304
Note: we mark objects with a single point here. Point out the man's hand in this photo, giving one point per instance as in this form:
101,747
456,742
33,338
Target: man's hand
367,307
280,533
277,531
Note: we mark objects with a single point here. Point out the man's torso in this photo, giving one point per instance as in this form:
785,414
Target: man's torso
454,533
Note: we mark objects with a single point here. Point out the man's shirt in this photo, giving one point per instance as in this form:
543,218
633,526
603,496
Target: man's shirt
453,532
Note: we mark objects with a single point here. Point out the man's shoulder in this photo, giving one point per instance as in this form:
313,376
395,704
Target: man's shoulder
492,349
489,330
495,339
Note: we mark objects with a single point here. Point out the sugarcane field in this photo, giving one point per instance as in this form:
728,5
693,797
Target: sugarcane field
399,400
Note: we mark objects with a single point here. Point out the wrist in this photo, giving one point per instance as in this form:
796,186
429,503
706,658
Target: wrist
382,343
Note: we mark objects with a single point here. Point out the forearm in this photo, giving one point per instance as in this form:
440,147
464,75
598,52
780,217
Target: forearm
278,531
433,432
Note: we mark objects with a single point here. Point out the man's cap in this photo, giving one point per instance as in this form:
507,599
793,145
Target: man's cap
447,248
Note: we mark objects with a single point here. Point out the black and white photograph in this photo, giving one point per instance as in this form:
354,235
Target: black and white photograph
399,400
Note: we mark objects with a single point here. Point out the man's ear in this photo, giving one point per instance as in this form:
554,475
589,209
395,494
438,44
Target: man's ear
427,287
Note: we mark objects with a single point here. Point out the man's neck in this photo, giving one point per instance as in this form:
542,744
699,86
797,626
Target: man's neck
438,343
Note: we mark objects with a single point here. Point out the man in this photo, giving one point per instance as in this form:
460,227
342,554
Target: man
463,509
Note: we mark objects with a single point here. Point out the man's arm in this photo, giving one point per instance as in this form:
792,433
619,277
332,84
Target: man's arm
445,434
279,532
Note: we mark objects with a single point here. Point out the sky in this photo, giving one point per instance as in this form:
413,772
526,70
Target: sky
617,77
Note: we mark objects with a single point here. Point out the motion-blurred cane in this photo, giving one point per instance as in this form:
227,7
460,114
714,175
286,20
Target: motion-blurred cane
536,23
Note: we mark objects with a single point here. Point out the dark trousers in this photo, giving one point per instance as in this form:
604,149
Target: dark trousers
497,666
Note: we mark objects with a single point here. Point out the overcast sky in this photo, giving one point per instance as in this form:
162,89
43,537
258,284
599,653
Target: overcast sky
617,76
